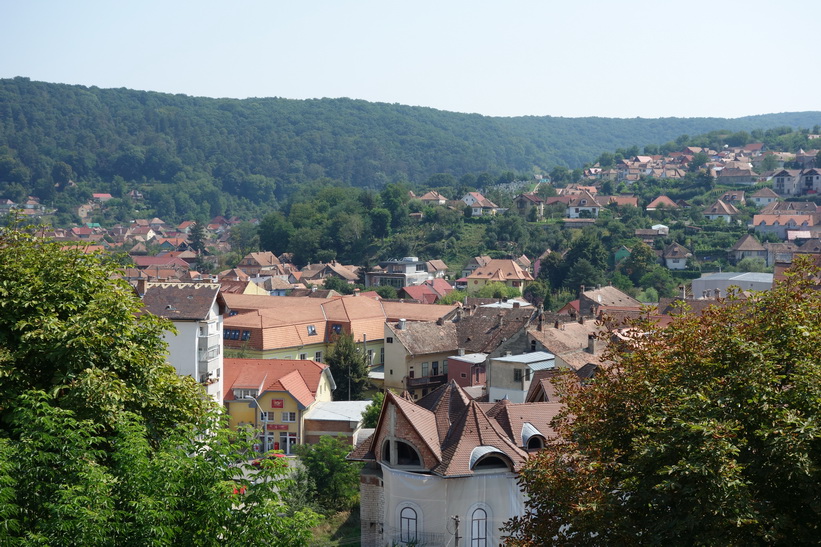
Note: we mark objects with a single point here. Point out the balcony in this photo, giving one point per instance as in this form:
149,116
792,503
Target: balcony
427,381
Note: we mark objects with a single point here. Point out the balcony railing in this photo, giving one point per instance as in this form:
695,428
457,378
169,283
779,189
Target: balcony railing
427,381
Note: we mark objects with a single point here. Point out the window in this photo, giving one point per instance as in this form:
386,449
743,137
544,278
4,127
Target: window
464,375
337,329
527,374
288,417
370,357
311,330
434,368
318,357
407,525
245,393
389,340
246,335
478,528
303,356
267,416
517,375
235,334
424,369
382,355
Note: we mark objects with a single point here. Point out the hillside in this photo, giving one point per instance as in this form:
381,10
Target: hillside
241,155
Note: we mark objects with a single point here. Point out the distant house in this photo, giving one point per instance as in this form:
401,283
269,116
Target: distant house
737,176
763,197
785,182
721,211
661,202
398,273
746,247
523,204
781,224
479,204
736,197
258,262
433,198
583,205
675,256
507,272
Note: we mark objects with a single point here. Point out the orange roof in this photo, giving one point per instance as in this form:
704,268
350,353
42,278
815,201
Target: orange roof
501,270
300,378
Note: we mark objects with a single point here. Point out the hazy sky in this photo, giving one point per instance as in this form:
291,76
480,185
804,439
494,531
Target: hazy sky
626,58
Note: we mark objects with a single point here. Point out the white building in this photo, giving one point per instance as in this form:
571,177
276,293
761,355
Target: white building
509,377
196,310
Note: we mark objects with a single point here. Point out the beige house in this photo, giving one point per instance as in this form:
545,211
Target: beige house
504,271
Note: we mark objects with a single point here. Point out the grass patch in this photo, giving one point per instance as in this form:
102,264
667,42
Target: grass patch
338,529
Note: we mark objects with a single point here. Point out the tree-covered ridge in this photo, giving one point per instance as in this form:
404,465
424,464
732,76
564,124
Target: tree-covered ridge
212,156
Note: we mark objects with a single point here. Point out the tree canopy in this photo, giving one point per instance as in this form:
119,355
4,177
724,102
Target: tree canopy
101,442
348,368
701,433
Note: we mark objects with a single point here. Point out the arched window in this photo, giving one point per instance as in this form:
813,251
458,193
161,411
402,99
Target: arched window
478,528
488,463
535,443
407,525
386,451
406,454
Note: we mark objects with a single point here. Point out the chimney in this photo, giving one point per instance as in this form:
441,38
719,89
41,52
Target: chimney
591,343
356,292
460,352
581,290
313,289
516,305
556,325
400,325
141,286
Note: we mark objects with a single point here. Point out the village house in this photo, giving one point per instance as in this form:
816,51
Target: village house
523,204
763,197
398,273
675,256
721,211
509,376
746,247
504,271
479,204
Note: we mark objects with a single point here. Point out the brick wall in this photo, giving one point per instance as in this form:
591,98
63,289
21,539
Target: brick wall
371,506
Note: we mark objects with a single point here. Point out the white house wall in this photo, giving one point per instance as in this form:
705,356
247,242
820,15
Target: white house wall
436,500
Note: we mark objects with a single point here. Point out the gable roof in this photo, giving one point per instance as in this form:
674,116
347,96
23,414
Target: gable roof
501,270
181,301
747,243
300,378
662,201
721,208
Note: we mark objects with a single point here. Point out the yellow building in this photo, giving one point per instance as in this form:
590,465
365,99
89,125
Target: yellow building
273,395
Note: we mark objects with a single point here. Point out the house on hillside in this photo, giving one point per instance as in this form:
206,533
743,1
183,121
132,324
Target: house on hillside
505,271
479,204
509,376
675,256
763,197
746,247
523,204
721,211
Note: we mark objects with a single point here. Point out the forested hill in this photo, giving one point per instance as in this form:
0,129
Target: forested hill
261,150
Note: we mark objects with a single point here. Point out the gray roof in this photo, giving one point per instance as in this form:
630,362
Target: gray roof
473,358
336,411
753,277
527,358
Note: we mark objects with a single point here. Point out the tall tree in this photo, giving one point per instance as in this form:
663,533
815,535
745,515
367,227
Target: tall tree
101,443
349,369
701,433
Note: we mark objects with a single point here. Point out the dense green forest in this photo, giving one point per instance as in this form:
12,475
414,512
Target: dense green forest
199,157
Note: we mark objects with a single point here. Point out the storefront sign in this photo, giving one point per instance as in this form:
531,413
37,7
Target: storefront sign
274,427
277,403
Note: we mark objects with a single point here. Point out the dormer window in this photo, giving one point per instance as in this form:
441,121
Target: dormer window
311,330
337,329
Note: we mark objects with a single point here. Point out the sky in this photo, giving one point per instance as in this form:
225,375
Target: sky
571,58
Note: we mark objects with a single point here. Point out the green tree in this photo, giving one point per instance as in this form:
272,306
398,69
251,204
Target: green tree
641,260
275,233
497,289
371,415
244,238
348,368
335,478
101,442
198,237
701,433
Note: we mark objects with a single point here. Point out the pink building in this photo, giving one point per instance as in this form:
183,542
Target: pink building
467,370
